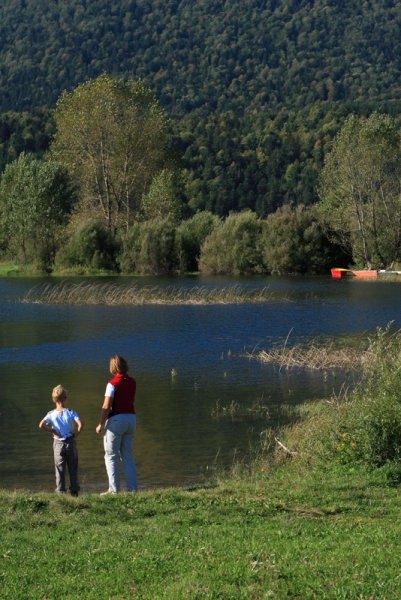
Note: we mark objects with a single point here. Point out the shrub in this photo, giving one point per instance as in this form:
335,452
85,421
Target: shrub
190,236
234,247
363,426
294,242
149,248
91,246
373,419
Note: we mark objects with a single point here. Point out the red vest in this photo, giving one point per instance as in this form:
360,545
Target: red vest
124,394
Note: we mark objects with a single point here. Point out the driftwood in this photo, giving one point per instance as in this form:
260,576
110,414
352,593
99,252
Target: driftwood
284,448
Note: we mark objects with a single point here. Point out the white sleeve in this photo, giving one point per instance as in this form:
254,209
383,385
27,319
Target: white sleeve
109,390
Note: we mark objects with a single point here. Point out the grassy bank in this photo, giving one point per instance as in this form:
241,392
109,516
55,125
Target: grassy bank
288,533
322,524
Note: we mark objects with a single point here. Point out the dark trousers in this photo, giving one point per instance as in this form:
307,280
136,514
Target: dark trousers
66,457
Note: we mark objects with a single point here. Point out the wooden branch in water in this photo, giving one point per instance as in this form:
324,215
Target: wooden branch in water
286,450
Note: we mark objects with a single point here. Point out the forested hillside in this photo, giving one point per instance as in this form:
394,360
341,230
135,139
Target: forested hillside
256,89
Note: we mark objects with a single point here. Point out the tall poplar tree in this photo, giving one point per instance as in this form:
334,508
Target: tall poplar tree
112,136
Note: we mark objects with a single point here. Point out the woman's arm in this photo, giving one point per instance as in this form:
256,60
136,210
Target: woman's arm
104,415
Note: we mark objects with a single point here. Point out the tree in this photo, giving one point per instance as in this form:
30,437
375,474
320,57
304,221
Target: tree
161,201
112,136
36,199
360,190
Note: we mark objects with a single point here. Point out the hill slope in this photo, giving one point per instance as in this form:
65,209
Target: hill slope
257,88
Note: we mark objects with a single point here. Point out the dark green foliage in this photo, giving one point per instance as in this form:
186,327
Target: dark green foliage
24,132
190,236
294,242
234,247
149,248
90,247
256,89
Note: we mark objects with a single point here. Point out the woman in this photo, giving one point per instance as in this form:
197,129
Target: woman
118,422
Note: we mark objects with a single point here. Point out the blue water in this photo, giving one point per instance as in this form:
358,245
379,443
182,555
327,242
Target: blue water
178,440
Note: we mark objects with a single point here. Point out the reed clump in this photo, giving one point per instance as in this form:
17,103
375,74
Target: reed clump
235,410
115,294
316,356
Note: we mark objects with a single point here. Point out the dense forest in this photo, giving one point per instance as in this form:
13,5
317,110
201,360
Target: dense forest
256,90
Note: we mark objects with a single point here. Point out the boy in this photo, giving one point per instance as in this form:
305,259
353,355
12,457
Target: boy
61,423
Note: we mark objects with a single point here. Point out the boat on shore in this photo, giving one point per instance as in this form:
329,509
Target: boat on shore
341,273
365,274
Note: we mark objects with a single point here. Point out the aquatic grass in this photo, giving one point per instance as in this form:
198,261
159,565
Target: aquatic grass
235,410
116,294
316,355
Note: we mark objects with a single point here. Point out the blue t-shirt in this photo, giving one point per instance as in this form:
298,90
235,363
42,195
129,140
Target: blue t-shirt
62,421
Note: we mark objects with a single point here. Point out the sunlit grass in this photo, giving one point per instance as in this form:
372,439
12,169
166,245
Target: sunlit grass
287,533
7,269
133,294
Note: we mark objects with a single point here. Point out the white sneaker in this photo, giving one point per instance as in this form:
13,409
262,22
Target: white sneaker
108,492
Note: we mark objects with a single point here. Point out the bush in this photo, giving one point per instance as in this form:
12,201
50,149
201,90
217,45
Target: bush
91,247
149,248
373,420
294,242
190,236
234,247
364,427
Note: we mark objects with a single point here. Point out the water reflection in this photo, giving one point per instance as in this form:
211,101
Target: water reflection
178,440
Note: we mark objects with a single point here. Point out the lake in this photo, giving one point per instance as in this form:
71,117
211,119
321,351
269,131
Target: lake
179,439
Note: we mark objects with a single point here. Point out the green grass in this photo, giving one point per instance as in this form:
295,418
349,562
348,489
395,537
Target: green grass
7,269
292,532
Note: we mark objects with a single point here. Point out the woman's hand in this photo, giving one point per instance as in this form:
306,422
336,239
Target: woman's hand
99,428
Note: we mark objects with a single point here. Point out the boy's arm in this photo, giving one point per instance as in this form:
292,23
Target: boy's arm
80,425
44,424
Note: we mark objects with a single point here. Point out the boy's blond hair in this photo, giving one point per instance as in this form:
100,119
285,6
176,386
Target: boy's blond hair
59,394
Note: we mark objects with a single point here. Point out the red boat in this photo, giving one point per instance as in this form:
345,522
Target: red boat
339,273
365,274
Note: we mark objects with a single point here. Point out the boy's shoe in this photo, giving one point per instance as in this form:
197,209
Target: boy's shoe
75,494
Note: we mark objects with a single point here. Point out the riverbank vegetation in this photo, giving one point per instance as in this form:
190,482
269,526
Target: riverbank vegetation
314,514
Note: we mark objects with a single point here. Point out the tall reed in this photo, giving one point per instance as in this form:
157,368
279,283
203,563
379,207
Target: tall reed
315,356
133,294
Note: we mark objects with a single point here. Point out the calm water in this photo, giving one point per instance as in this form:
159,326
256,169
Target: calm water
178,441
